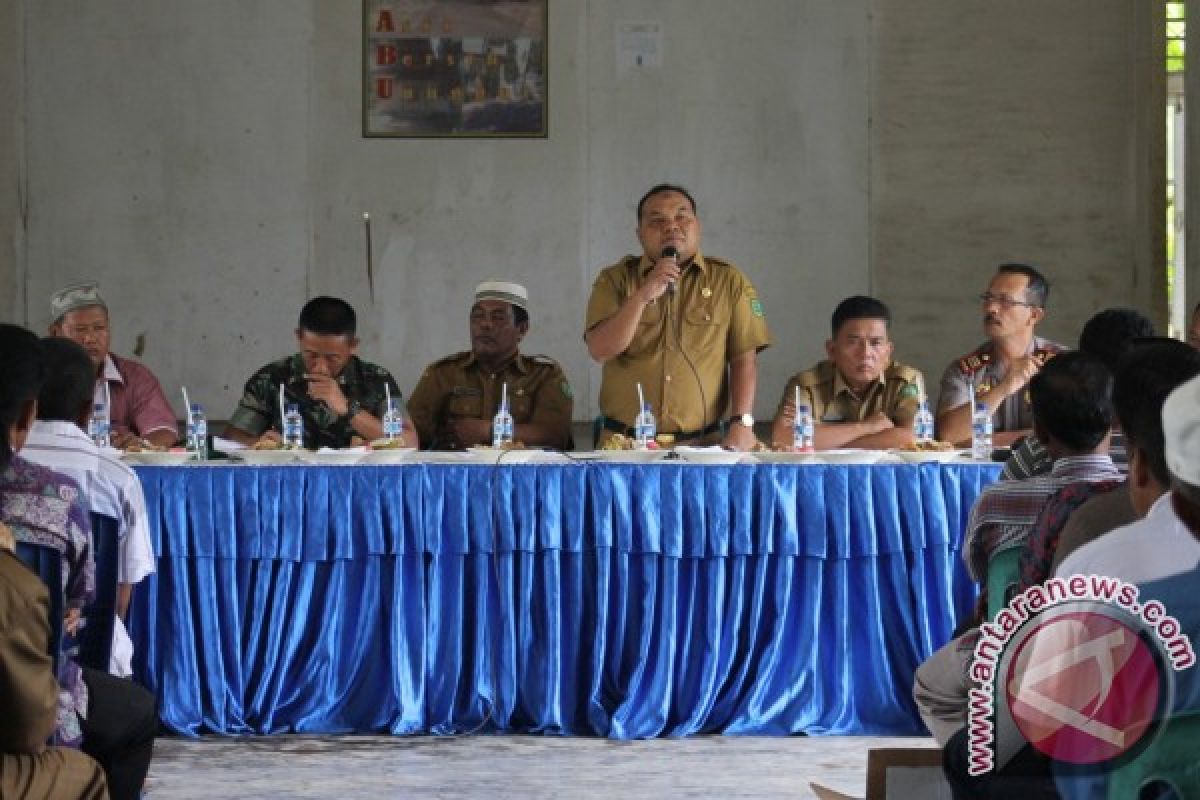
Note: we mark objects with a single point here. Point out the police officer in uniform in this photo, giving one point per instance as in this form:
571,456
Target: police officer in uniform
1000,368
687,327
456,397
858,396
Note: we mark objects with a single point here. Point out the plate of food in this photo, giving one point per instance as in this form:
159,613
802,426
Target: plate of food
382,451
850,456
926,452
263,457
157,458
709,455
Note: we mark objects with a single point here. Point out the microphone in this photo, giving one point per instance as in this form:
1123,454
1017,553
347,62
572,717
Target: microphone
670,252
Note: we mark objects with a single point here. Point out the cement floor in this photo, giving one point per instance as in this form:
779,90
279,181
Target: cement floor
509,766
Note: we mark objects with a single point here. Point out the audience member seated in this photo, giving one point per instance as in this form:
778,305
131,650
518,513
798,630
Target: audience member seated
109,486
1000,368
1152,369
858,396
1072,415
456,397
1108,336
113,720
138,407
340,396
1173,440
1158,544
29,694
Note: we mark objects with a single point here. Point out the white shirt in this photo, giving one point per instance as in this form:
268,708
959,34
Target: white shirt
1156,546
109,487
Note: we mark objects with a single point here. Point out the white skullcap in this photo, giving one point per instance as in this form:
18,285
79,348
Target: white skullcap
513,293
1181,432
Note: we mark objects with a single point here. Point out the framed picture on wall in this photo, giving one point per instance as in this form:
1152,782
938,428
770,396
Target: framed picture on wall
455,68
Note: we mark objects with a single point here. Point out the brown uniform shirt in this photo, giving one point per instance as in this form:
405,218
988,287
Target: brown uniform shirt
983,370
713,315
897,393
457,386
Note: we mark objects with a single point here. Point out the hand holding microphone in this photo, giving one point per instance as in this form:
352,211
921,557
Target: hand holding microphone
669,252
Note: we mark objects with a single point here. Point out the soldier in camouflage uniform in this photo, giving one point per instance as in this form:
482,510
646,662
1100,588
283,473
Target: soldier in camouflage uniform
858,396
340,396
456,397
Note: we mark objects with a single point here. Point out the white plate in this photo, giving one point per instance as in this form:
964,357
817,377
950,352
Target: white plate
334,457
783,457
390,455
927,456
156,458
709,455
850,456
267,457
627,456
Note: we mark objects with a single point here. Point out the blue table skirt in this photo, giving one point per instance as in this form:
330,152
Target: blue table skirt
611,600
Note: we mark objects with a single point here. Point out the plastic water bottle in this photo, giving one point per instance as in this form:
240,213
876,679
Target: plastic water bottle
98,427
802,429
197,433
981,433
393,421
644,428
293,427
502,427
923,423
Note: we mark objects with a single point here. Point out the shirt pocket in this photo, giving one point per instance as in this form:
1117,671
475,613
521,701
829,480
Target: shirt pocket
702,329
466,405
522,407
649,330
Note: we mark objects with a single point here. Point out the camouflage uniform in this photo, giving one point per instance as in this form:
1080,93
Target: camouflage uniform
896,392
361,382
457,386
981,369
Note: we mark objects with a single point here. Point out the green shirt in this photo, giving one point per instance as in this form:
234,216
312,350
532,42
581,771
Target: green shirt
360,381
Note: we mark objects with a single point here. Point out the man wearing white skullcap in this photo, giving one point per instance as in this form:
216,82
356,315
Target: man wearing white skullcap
457,396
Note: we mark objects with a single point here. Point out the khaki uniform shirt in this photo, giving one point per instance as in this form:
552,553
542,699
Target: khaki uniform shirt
713,315
457,386
982,369
897,393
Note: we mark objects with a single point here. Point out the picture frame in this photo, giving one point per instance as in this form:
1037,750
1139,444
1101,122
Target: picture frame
455,68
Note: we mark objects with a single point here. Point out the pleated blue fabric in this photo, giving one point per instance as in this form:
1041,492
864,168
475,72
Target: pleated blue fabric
624,601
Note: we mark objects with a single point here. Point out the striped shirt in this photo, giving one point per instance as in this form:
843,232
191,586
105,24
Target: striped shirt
1005,513
1029,458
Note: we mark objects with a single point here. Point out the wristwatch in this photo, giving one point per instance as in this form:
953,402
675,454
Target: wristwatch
745,419
352,409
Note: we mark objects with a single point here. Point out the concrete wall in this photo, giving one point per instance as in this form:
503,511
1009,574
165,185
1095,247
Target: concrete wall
1016,131
205,162
11,159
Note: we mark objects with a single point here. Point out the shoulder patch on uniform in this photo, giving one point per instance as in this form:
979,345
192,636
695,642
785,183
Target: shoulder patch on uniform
909,390
756,307
450,359
566,389
540,359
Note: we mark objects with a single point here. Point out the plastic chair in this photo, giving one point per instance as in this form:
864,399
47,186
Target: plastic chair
1169,761
47,563
1003,578
95,641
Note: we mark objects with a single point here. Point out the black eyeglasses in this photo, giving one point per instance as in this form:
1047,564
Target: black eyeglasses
1003,300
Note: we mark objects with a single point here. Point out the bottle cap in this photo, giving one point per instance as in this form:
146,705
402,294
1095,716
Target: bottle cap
981,407
196,407
293,407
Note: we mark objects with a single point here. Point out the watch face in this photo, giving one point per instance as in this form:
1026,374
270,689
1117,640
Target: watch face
747,420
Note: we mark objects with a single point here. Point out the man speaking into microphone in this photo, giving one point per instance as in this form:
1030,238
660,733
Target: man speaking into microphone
688,327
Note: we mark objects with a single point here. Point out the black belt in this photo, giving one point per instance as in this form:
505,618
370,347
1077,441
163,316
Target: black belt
616,426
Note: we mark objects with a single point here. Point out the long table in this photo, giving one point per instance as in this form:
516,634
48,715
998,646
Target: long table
625,601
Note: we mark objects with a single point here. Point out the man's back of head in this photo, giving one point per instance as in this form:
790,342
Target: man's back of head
1111,333
1072,402
70,381
1151,370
